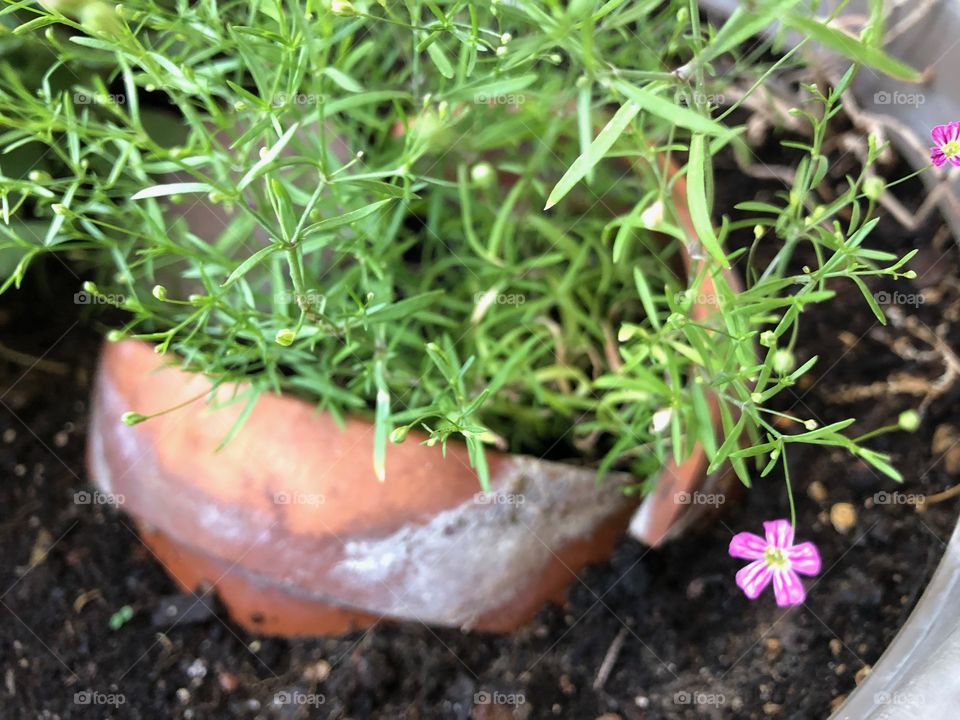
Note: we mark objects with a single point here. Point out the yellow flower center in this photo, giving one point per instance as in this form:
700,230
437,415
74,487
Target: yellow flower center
951,149
776,558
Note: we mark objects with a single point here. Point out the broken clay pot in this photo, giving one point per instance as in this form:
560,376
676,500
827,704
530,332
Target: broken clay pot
291,525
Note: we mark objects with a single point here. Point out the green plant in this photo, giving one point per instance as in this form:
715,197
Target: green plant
380,172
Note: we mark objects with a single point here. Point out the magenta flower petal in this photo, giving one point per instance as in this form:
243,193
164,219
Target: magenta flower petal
779,533
748,546
940,134
954,160
804,558
787,588
753,578
937,157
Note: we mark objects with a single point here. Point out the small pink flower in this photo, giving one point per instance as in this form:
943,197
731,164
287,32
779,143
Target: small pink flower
947,139
775,558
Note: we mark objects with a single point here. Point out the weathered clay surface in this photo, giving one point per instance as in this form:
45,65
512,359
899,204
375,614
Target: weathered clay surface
292,526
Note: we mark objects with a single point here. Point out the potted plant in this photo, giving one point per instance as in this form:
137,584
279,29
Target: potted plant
393,265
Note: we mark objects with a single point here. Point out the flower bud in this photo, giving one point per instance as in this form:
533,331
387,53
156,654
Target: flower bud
159,292
344,8
783,361
909,420
132,418
285,337
873,187
483,174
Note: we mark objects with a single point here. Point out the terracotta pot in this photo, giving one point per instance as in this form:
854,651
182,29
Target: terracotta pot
290,525
293,527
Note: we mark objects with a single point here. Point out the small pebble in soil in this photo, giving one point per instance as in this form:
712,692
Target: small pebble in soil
197,670
227,681
817,491
317,672
843,517
9,435
837,702
773,649
771,709
862,674
836,646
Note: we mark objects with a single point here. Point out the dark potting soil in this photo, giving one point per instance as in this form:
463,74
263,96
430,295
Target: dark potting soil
679,638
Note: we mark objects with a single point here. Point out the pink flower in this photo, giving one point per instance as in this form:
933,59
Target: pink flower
947,139
775,558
